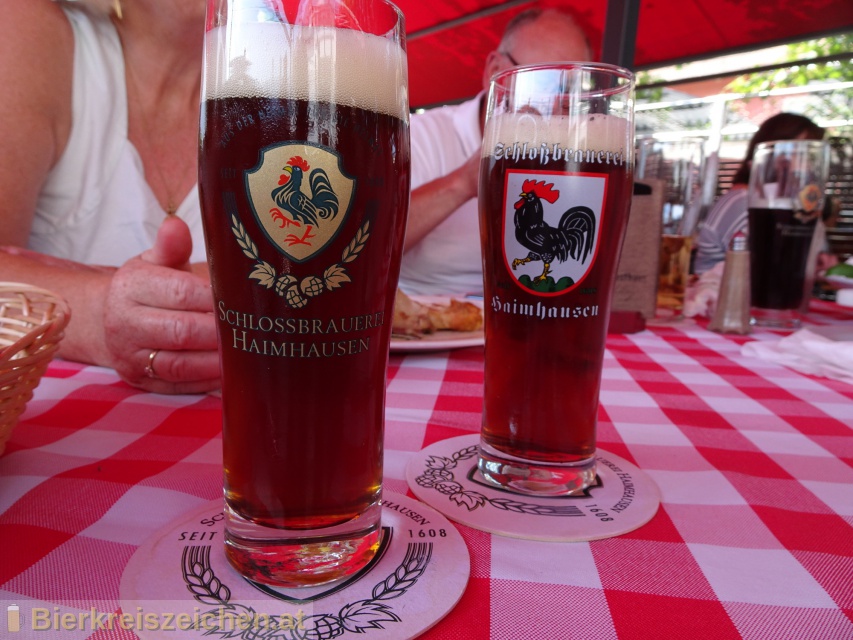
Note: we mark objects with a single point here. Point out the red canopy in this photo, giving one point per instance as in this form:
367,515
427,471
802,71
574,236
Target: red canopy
449,39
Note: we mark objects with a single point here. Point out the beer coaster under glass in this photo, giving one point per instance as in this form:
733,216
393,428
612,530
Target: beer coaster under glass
445,476
179,584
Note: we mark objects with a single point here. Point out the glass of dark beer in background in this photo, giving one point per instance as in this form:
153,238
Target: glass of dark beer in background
555,190
785,200
304,184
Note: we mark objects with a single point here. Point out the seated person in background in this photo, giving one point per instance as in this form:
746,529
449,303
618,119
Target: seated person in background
442,248
99,139
728,216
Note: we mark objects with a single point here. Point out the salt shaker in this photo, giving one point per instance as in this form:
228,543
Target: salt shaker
732,312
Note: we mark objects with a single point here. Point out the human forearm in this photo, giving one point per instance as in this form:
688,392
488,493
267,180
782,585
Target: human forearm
84,287
434,201
153,304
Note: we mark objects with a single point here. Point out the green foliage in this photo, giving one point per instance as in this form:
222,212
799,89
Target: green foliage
800,75
547,285
648,95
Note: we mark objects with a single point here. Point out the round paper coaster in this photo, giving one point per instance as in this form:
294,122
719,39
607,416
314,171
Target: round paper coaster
445,476
180,585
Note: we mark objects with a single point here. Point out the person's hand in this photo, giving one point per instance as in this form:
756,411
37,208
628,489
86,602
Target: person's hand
157,305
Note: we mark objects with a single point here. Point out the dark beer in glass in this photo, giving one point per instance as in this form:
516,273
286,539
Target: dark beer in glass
555,190
304,184
785,199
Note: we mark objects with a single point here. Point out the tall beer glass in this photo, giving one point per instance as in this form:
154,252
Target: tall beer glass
679,163
304,183
555,189
785,199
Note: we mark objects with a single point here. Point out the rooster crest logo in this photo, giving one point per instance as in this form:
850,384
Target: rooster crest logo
549,244
300,197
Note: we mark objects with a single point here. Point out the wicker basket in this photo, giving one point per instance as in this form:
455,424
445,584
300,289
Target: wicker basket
31,324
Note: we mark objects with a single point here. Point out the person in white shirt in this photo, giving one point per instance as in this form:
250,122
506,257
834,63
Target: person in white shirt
98,201
442,247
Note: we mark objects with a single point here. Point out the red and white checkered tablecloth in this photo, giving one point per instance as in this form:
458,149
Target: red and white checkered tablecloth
754,537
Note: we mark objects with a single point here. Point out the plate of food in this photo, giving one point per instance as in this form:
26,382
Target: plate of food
435,323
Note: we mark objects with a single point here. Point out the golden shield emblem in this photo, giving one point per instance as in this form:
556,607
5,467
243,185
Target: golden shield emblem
300,197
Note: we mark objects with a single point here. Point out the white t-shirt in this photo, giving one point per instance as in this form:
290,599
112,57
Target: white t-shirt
447,260
96,206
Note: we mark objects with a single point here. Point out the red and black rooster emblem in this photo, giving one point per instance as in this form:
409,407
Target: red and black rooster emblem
298,209
573,237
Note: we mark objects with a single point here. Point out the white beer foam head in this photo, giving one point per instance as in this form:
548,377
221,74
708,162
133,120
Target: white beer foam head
274,60
597,131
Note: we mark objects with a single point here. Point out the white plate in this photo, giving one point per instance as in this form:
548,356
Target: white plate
840,281
440,340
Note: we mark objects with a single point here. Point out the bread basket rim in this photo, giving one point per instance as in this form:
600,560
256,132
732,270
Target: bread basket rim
59,320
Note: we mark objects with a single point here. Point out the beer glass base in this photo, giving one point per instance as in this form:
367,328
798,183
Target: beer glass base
301,558
535,478
776,318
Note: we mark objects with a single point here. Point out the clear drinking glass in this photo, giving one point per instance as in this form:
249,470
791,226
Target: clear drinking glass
304,183
785,199
679,164
555,188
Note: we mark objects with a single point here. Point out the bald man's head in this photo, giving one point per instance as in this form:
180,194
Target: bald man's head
537,36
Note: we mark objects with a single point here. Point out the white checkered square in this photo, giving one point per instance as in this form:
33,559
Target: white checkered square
13,488
742,405
404,436
86,441
626,398
794,443
635,415
436,362
544,562
759,576
673,361
131,520
398,414
696,487
841,410
722,525
414,386
759,422
35,462
673,458
838,496
696,380
819,469
395,463
612,371
652,434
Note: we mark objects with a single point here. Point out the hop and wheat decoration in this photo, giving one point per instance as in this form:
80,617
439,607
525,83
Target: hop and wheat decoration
297,292
359,617
439,475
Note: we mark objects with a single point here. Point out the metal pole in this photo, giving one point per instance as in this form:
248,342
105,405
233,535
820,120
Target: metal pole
620,32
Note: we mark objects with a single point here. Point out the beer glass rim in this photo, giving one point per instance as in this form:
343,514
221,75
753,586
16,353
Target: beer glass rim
593,67
398,27
789,144
685,141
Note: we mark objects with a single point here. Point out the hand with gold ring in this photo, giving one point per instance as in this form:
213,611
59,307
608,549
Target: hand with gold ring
149,368
159,323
